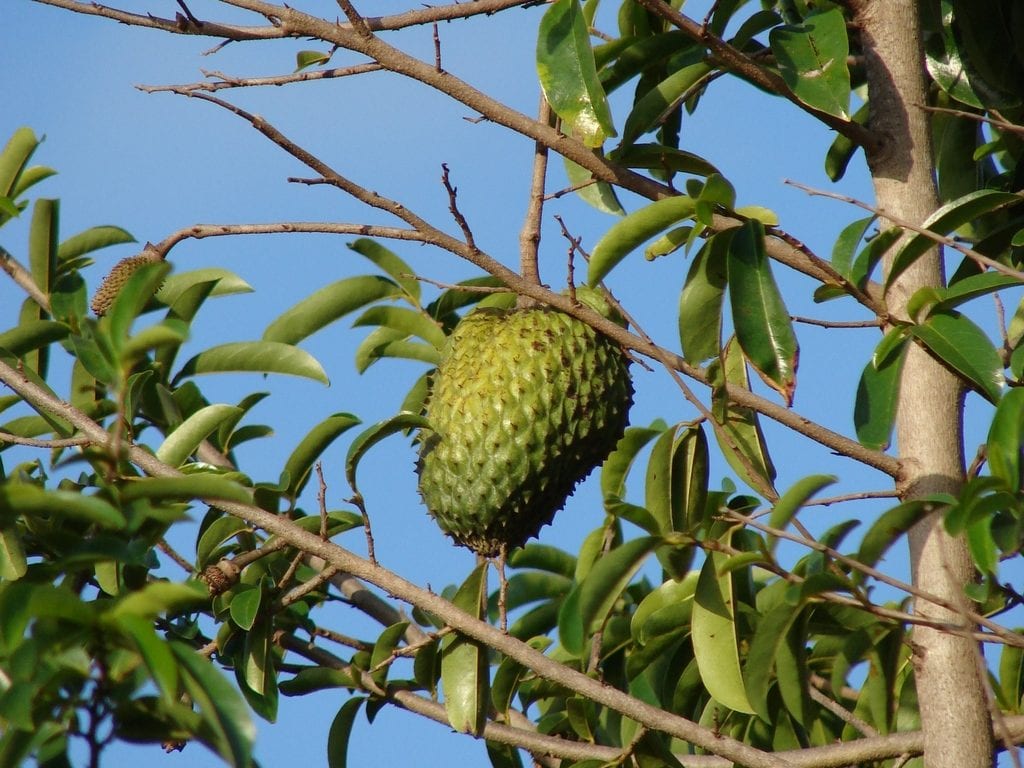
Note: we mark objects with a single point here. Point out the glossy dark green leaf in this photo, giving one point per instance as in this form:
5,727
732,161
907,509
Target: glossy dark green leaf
963,291
328,304
255,356
701,300
842,148
300,463
341,731
230,731
594,597
812,61
568,74
1005,437
391,263
947,219
639,53
763,326
18,499
373,435
716,193
845,247
407,321
874,411
631,232
543,557
714,635
962,345
187,436
42,243
464,667
256,672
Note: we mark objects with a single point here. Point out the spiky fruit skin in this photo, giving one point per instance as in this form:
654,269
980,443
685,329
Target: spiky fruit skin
524,404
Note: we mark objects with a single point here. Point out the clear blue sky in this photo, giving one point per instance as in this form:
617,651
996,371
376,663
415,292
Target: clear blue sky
154,163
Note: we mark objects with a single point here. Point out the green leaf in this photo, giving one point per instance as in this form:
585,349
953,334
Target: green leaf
957,341
616,467
587,607
793,500
255,356
846,245
373,435
341,731
160,597
31,335
596,194
327,305
874,411
890,526
300,463
713,631
769,638
225,283
763,326
131,300
155,652
219,531
229,731
13,564
383,650
311,679
631,232
568,74
1005,437
812,61
385,342
18,499
392,264
188,435
960,292
464,667
185,488
657,157
407,321
306,59
700,302
14,158
245,606
947,219
842,148
91,240
651,109
739,435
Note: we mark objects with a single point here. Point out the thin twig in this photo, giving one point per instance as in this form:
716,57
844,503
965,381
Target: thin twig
35,442
836,323
529,235
979,258
1001,124
229,81
453,206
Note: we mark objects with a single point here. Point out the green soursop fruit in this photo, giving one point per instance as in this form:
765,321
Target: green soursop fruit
524,404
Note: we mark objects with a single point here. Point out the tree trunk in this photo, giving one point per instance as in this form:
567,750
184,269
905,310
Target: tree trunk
929,428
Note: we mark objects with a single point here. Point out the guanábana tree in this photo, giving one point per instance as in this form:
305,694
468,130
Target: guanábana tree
679,629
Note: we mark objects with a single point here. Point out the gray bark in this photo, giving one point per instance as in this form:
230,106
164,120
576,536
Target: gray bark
950,689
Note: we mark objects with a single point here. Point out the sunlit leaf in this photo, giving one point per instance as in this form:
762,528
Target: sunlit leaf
812,61
962,345
187,436
255,356
701,300
391,263
713,631
18,499
874,411
1005,437
91,240
373,435
300,462
327,305
631,232
568,74
464,668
